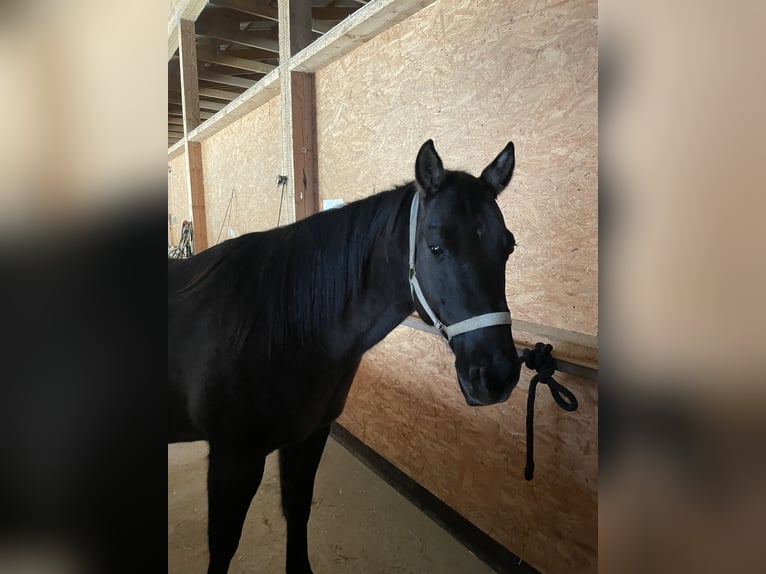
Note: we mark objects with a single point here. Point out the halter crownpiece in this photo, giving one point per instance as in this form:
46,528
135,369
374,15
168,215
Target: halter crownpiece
447,331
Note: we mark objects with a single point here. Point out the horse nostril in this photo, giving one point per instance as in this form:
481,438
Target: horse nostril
476,374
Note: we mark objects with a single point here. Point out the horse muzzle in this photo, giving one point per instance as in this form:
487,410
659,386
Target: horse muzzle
482,387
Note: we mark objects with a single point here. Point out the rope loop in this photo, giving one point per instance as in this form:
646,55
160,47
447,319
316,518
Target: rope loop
541,360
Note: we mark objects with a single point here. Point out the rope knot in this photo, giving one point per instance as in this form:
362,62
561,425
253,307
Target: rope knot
541,360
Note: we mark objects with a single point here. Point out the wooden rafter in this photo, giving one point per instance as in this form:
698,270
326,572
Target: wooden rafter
226,80
203,104
237,42
212,55
222,26
174,110
219,94
332,13
260,8
250,53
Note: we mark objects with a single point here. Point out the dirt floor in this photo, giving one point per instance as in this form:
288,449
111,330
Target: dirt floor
359,524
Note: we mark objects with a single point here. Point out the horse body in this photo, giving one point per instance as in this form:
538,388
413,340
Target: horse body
228,384
266,332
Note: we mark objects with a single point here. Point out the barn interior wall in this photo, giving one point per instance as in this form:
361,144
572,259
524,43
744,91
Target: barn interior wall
245,158
472,75
178,198
406,405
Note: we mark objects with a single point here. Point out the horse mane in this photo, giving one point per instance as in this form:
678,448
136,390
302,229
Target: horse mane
289,286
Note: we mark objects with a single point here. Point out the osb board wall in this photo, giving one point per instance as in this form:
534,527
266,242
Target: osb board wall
245,157
178,197
406,404
473,74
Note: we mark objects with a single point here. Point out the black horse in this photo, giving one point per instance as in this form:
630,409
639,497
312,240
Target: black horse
266,331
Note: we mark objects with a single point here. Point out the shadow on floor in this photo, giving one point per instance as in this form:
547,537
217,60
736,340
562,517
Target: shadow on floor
359,524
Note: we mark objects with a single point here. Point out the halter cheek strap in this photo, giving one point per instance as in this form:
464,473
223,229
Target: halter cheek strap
448,331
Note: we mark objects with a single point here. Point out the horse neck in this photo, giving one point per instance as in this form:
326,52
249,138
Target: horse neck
386,300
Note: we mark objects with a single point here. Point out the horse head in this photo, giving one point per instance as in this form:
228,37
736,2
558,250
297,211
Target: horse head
459,247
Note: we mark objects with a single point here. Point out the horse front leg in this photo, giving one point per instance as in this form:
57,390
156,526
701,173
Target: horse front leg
297,468
232,480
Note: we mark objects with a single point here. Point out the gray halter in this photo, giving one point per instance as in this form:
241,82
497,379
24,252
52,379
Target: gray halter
448,331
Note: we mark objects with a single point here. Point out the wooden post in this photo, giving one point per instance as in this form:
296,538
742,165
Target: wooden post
304,144
189,82
197,194
300,25
299,141
191,119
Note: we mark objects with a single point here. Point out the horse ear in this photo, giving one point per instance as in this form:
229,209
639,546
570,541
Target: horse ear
497,174
429,171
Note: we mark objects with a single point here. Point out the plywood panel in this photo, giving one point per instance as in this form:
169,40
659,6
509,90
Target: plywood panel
406,404
472,75
178,197
244,157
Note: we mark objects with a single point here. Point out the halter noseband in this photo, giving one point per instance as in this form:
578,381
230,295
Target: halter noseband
448,331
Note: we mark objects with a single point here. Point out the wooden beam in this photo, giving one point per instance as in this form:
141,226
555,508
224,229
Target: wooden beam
304,144
226,80
322,20
322,26
203,105
212,55
260,8
196,193
250,53
285,105
184,10
332,13
229,31
189,83
176,149
174,110
175,121
300,25
358,28
229,71
213,93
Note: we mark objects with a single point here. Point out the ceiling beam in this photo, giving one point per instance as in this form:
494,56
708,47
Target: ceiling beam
261,8
225,28
322,26
175,110
249,53
212,55
332,13
226,80
210,93
203,104
220,94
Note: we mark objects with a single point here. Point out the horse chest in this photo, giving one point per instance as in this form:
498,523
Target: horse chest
282,408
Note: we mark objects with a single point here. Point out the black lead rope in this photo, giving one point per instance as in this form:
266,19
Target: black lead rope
540,359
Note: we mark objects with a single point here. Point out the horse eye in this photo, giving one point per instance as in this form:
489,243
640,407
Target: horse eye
435,249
